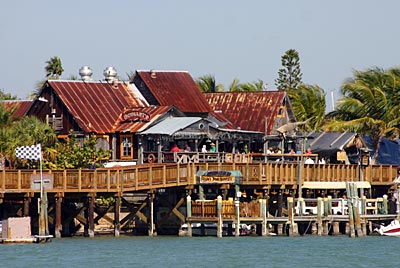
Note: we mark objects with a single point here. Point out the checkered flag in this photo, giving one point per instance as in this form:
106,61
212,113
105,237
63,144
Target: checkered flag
33,152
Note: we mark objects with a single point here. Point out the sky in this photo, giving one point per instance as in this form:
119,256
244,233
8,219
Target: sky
229,39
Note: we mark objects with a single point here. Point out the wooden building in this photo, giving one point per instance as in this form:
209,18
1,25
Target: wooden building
120,114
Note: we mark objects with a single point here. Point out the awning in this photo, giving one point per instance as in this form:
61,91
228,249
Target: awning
333,185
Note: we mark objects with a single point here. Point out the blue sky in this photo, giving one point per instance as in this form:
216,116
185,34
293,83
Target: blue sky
228,38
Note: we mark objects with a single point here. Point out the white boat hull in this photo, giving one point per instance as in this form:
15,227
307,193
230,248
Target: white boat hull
393,229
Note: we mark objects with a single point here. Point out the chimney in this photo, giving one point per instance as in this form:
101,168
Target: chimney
86,73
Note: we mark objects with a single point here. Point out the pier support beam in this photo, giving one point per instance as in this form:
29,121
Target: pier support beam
219,215
27,202
117,210
152,231
89,226
58,224
189,215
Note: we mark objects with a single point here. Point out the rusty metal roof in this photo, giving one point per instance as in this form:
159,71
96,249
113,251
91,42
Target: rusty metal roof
97,105
175,88
248,110
21,107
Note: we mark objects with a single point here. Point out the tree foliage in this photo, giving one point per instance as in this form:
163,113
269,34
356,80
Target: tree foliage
289,77
53,68
207,84
370,105
308,102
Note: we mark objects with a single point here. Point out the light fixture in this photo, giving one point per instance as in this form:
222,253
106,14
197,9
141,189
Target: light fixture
43,99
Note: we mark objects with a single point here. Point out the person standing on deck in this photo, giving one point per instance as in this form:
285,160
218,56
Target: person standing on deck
213,149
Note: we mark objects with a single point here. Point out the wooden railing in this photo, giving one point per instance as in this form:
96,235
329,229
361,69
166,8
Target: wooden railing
153,176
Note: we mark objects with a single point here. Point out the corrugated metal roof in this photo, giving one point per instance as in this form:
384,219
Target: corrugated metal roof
171,125
97,105
334,141
21,107
175,88
248,110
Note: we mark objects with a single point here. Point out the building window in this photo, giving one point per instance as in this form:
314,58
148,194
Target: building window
281,111
126,146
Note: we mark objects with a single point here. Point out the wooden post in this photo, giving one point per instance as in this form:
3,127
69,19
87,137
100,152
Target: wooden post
263,214
293,230
385,204
336,229
27,201
357,220
151,223
189,215
319,216
350,210
219,215
237,210
90,218
58,225
301,205
117,210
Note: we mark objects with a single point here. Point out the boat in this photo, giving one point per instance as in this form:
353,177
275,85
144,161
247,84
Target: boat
392,229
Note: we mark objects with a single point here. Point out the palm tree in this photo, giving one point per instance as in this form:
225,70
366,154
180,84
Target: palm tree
255,86
54,68
235,86
207,84
308,101
370,106
6,114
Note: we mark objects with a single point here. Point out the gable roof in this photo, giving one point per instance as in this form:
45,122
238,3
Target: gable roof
248,110
21,107
173,88
97,105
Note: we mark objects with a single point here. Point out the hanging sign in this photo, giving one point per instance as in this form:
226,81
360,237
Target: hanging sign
135,115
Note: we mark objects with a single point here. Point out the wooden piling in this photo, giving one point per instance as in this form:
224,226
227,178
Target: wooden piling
350,210
58,224
89,226
117,211
263,214
27,201
219,215
189,215
319,216
151,218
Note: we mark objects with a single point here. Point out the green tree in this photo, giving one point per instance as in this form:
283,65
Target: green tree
73,155
289,77
255,86
308,102
207,84
54,68
370,106
6,96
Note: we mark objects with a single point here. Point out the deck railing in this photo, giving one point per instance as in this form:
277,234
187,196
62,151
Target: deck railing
147,177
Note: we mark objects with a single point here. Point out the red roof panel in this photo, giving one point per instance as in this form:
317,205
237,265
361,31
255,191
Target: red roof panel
175,88
96,106
248,110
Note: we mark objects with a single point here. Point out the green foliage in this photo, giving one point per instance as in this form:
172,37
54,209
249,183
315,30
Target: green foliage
289,77
308,101
207,84
54,68
73,156
6,96
370,105
105,201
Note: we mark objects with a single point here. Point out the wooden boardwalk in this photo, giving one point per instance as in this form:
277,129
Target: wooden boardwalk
155,176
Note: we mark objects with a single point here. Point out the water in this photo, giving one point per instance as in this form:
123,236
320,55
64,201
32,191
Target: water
312,251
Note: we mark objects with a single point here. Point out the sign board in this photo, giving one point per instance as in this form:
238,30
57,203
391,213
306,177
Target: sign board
135,115
48,181
341,156
219,177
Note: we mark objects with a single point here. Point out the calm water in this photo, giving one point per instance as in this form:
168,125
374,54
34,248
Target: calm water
372,251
